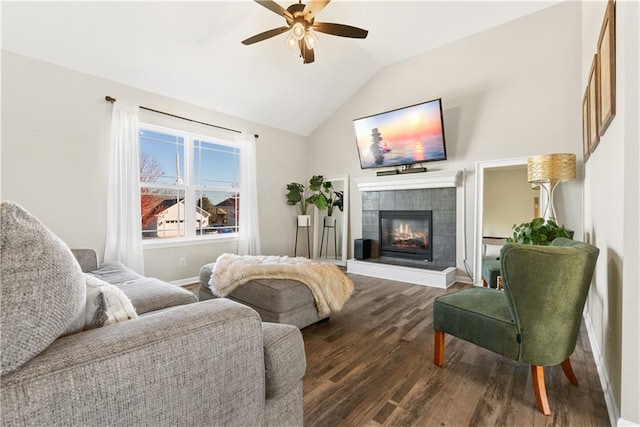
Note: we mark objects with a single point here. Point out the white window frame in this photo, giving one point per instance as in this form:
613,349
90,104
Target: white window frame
190,189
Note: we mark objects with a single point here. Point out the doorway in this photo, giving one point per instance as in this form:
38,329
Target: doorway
493,221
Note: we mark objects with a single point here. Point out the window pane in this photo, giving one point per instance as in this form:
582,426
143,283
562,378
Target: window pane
161,157
216,165
213,183
217,212
162,213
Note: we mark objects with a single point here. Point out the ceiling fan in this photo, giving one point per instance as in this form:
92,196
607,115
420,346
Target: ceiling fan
300,24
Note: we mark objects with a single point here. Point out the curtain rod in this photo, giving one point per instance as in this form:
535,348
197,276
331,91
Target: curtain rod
112,100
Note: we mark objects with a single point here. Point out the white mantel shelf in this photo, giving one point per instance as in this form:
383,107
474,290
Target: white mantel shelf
411,181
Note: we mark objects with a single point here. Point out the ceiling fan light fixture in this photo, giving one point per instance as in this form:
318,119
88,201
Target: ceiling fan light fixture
311,39
297,30
291,43
300,19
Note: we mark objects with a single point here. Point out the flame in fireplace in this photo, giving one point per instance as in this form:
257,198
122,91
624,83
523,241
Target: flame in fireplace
404,237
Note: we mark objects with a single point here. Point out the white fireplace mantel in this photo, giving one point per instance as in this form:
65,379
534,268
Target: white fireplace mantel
411,181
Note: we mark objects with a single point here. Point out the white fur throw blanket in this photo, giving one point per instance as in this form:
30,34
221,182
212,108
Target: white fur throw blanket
330,287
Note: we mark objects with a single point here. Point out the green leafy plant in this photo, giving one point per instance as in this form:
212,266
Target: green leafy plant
538,232
334,199
305,196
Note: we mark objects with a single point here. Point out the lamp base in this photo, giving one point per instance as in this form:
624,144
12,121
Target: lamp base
550,210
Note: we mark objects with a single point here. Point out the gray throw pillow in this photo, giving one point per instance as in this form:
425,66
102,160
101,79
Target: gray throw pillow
43,291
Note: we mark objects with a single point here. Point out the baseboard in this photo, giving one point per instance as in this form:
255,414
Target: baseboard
464,279
612,408
187,281
625,423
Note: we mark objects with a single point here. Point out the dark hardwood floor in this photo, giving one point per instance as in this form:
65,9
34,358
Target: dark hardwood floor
372,364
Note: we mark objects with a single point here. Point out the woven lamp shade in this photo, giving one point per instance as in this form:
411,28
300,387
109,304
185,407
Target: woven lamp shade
551,168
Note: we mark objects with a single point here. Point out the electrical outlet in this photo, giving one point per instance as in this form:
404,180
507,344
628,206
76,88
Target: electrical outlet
182,262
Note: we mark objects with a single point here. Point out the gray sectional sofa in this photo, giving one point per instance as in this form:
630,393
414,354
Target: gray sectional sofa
181,362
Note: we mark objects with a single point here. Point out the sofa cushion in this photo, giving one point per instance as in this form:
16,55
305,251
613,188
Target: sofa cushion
277,295
478,315
43,291
284,358
115,273
106,304
146,294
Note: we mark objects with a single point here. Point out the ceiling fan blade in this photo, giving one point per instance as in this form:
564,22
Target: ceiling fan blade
265,35
340,30
314,7
307,54
275,7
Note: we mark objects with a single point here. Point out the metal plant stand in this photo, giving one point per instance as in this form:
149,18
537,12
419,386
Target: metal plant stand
335,239
295,249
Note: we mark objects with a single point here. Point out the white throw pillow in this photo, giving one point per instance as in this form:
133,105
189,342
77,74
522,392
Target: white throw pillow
106,304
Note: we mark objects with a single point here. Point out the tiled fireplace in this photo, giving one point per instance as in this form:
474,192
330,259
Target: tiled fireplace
412,223
439,202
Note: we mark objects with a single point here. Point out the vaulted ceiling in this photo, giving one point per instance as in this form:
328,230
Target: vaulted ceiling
191,51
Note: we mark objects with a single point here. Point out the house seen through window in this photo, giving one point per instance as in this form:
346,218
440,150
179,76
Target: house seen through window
189,184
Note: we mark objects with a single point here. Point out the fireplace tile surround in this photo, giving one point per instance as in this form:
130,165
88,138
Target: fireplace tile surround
441,192
442,203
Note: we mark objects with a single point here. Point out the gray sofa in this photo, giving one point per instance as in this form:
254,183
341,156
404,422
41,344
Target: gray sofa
201,363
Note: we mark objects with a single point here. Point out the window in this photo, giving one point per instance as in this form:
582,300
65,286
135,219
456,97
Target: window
189,184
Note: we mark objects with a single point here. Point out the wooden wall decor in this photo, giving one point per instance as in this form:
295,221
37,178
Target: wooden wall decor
607,68
599,100
594,108
585,126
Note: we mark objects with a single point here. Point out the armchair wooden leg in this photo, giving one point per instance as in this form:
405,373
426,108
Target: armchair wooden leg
438,347
539,389
568,371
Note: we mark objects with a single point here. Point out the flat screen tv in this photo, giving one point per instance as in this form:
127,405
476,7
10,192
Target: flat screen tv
405,136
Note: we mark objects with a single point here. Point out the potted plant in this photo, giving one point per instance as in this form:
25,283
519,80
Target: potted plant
304,196
334,199
538,232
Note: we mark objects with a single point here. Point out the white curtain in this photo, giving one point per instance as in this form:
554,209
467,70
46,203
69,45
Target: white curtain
124,228
249,243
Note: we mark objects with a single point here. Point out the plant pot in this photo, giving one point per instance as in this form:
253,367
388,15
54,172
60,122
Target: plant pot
304,220
329,221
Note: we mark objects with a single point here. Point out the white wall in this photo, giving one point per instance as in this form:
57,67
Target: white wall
55,126
510,91
508,200
611,214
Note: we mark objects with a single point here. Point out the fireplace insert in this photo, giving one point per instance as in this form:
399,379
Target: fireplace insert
406,234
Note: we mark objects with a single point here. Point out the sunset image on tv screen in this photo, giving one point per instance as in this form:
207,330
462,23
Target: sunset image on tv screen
399,137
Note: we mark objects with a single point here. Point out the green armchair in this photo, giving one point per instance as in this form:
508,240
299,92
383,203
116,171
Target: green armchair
535,320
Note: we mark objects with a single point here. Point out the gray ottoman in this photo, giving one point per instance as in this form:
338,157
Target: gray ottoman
276,300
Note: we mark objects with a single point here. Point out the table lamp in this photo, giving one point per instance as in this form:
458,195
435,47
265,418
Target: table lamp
552,169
